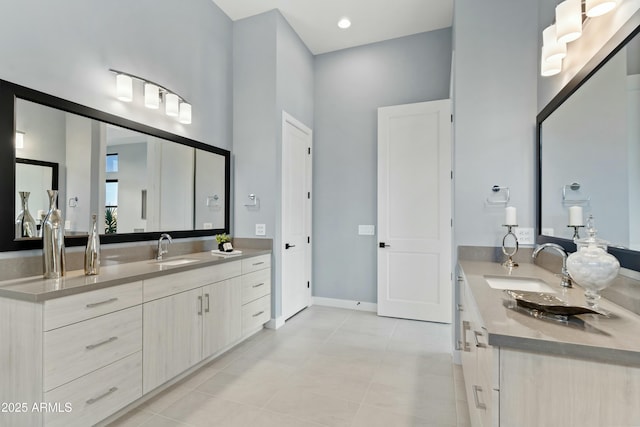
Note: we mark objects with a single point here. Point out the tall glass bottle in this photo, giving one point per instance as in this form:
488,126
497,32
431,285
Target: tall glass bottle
25,224
92,251
53,240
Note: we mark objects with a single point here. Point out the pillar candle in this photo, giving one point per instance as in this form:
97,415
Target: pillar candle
510,216
575,215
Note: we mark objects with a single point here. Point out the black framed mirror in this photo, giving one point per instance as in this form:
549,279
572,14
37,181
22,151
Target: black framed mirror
164,183
588,140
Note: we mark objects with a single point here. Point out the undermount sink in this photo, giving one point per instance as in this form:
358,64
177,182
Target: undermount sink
518,284
174,262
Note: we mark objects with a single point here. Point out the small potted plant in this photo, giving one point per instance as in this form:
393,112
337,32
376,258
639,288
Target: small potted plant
224,242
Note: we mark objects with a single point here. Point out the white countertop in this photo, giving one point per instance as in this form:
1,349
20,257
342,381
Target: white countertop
37,289
614,339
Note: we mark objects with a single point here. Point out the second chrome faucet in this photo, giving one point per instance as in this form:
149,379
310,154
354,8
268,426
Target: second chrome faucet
564,274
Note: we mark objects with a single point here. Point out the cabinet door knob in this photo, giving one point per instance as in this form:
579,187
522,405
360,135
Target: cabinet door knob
383,245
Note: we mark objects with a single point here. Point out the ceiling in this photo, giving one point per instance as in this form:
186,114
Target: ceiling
315,21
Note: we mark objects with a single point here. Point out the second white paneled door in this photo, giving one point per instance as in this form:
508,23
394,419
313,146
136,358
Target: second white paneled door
414,211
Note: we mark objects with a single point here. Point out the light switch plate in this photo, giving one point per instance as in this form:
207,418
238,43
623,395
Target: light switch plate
261,229
525,235
366,230
548,231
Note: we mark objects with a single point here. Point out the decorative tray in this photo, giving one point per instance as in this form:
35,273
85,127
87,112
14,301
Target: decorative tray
547,303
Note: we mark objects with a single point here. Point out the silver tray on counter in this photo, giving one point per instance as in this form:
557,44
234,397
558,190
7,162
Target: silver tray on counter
547,303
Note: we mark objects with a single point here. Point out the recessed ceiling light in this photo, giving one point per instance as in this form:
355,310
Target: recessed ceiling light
344,23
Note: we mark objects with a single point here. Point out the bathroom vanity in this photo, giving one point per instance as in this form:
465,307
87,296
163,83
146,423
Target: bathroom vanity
76,350
524,371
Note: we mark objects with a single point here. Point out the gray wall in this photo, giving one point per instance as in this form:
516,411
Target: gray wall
349,87
273,71
496,50
67,48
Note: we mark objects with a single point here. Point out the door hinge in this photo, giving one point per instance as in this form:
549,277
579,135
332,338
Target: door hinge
309,150
451,174
308,194
452,118
308,239
308,284
452,222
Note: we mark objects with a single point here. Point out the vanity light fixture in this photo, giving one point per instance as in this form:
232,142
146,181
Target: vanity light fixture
595,8
154,95
151,96
344,23
567,28
19,139
569,20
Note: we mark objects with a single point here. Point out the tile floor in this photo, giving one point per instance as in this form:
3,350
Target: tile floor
324,367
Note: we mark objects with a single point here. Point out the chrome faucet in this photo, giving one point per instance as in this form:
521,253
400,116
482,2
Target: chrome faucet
161,250
566,282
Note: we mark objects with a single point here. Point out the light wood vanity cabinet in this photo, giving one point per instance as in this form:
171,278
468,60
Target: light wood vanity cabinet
511,387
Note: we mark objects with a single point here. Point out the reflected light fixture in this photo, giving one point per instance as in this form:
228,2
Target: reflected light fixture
595,8
19,139
124,88
552,49
344,23
154,95
151,96
185,113
569,20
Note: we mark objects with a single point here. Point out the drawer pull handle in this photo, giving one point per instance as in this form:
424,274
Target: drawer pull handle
466,326
258,263
95,304
206,302
476,389
200,305
475,337
102,396
258,285
258,313
107,341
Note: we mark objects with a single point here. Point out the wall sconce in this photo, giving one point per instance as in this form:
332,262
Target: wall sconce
154,95
19,140
567,28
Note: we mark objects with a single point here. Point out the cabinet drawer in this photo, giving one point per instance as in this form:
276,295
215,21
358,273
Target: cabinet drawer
81,348
97,395
171,284
255,314
256,263
256,285
75,308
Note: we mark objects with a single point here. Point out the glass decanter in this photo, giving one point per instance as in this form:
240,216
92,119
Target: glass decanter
591,266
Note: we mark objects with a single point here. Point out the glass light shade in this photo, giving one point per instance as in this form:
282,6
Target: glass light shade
549,68
151,96
595,8
171,104
185,113
553,49
124,88
569,20
20,140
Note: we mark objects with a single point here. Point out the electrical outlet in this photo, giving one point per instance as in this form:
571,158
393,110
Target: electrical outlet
548,231
261,229
525,235
207,226
367,230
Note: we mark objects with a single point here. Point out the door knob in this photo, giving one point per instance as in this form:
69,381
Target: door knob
287,246
384,245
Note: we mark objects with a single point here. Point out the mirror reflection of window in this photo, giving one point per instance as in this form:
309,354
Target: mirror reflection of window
112,162
111,206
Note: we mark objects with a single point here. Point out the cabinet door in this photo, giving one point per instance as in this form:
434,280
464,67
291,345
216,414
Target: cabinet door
222,315
172,336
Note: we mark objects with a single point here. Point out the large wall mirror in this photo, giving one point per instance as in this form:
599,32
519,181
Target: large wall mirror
140,181
589,151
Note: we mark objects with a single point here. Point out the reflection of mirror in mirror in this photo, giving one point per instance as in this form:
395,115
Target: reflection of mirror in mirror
135,182
593,139
35,177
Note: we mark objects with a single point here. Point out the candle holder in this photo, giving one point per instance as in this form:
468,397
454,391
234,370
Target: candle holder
509,263
576,228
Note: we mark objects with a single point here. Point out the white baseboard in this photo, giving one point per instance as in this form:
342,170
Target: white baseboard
344,303
275,323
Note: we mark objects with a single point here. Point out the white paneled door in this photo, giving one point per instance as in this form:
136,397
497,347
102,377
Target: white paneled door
414,211
296,216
